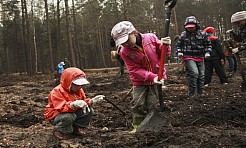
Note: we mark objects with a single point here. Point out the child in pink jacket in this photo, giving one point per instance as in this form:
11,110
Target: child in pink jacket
141,54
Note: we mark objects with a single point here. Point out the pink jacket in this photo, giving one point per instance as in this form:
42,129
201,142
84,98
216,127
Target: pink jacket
143,66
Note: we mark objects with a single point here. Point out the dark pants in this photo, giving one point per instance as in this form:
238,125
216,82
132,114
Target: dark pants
217,66
122,64
232,63
64,122
144,100
58,78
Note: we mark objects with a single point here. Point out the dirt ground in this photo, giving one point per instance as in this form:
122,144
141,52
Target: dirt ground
217,120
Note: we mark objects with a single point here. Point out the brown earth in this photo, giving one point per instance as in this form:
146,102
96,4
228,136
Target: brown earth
217,120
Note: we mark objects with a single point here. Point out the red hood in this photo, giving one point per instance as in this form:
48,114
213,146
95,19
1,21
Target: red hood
68,75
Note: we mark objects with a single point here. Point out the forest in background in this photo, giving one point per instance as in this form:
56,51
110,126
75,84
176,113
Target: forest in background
36,35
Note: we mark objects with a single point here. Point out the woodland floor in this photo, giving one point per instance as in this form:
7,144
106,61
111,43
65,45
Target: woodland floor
217,120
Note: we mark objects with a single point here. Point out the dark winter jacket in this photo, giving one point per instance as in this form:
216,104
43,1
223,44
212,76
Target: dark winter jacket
193,44
217,49
240,36
228,47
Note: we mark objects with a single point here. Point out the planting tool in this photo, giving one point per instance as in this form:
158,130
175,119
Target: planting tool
128,123
155,120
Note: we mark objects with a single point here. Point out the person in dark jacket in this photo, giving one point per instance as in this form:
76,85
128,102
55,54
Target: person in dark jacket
228,53
238,19
116,55
67,63
192,46
214,61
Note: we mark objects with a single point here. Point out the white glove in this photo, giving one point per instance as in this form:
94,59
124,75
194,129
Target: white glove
180,54
207,55
156,81
96,99
166,41
235,50
80,104
229,31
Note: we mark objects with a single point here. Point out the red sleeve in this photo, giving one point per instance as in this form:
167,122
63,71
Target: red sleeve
83,97
60,102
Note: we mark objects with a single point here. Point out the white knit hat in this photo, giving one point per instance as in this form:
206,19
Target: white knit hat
238,16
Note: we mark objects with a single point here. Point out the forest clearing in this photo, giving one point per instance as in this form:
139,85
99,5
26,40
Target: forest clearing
217,120
39,38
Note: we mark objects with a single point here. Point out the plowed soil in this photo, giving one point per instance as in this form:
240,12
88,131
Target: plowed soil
217,120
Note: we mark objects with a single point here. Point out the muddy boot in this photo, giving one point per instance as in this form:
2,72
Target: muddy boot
61,135
135,122
243,87
77,132
201,93
230,74
192,93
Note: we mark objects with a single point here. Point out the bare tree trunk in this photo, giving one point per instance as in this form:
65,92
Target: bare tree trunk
5,65
69,36
58,30
84,61
49,36
176,22
30,53
76,41
125,4
24,36
34,40
100,43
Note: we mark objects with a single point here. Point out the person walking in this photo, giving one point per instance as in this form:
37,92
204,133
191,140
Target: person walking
214,61
238,19
68,109
60,69
228,53
67,63
141,54
192,46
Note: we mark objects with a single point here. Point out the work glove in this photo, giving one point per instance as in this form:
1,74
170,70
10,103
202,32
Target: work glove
80,104
180,54
223,61
229,31
96,99
235,50
156,81
166,41
207,55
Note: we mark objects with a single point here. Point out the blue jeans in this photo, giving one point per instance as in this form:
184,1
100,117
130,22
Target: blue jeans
232,63
197,76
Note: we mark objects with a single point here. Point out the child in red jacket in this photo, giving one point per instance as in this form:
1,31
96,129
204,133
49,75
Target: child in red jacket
68,108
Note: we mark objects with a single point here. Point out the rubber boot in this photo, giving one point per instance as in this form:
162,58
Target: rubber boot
77,131
136,121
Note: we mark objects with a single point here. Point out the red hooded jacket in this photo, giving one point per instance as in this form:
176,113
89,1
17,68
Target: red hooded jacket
60,97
